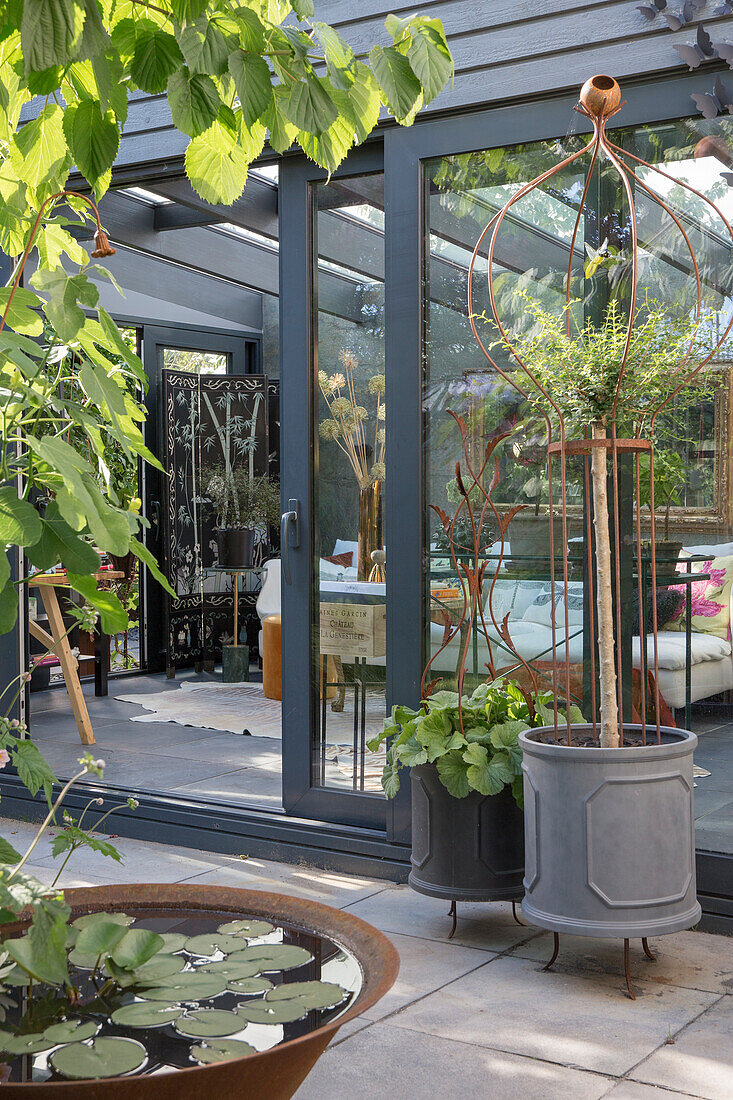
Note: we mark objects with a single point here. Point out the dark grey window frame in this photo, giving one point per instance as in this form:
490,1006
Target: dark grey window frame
297,278
656,99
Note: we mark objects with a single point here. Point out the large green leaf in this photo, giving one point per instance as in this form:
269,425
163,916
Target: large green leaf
309,106
33,769
365,100
452,772
143,554
157,56
112,89
136,947
50,32
8,853
185,11
209,1023
397,80
205,47
282,132
20,524
112,614
194,102
252,81
340,60
66,296
216,164
47,936
100,938
221,1050
22,315
430,58
8,608
93,139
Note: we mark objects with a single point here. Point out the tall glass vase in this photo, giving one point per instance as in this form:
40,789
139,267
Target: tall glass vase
370,528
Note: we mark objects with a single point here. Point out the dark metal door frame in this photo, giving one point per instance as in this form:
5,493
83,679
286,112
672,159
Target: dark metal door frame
246,358
298,264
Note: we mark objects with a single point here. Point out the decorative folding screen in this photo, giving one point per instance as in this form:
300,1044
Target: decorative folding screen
206,418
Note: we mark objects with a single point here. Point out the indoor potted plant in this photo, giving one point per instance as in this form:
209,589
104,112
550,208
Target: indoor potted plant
608,808
246,506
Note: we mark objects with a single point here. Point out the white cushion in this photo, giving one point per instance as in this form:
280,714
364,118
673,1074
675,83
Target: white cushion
719,550
672,653
343,546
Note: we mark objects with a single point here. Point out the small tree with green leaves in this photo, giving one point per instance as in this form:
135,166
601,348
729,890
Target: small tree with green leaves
588,376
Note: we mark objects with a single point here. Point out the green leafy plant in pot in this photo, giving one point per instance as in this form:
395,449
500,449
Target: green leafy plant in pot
462,746
593,792
245,508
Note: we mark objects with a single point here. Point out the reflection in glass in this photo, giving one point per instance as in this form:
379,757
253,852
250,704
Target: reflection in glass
349,464
692,475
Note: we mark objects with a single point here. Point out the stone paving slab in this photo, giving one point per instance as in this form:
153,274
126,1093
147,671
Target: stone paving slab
382,1061
510,1004
697,960
490,927
701,1058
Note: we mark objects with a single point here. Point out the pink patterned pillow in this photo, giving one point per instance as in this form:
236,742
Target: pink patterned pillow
710,599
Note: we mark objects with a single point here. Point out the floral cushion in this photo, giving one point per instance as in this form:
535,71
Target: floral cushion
710,599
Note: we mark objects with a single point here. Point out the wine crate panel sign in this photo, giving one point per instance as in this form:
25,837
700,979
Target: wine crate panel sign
353,629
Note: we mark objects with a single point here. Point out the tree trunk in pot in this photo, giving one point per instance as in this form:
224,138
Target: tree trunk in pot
604,600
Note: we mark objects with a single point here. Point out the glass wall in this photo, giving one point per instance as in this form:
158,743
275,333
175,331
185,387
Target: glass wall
349,631
692,437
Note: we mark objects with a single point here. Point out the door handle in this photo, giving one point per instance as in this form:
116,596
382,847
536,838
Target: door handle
289,536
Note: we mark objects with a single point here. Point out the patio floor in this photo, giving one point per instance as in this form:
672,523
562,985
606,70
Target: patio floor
476,1016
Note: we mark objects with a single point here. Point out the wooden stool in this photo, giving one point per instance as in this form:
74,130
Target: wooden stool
271,658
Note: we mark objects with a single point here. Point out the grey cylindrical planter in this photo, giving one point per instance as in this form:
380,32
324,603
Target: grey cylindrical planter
464,849
610,836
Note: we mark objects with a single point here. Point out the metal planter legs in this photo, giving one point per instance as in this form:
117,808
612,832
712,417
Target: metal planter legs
610,836
464,849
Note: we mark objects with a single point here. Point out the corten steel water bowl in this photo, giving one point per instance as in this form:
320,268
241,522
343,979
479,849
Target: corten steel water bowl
272,1074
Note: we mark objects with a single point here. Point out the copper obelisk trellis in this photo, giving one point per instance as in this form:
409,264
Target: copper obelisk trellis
604,442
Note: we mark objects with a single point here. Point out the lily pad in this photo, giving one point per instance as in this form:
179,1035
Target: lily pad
248,928
92,918
209,1023
310,994
272,1012
29,1044
16,977
172,942
222,1050
231,968
105,1057
253,986
275,956
145,1014
189,986
152,972
211,942
71,1031
83,960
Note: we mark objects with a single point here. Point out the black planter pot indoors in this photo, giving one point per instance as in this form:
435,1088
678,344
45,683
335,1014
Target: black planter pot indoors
236,547
465,849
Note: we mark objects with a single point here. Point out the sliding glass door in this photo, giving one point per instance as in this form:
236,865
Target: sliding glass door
336,477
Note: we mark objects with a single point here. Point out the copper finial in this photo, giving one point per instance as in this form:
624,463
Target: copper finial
600,95
102,247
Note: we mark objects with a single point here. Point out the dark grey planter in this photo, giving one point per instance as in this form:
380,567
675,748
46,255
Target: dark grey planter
464,849
610,836
236,547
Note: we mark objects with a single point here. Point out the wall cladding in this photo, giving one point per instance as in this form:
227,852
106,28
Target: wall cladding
503,49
